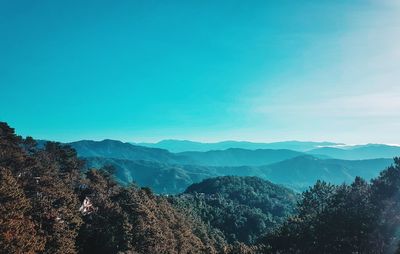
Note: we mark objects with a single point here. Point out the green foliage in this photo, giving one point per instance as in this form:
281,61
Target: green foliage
299,173
160,177
242,208
18,232
48,206
47,186
358,218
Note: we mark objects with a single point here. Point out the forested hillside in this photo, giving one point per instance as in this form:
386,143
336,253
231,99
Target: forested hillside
303,171
243,208
51,203
358,218
47,206
298,173
160,177
239,157
171,173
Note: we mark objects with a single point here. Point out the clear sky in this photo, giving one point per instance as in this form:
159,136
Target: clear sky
204,70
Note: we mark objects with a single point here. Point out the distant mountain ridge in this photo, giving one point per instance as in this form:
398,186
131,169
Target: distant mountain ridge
177,146
303,171
119,150
229,157
167,172
240,157
358,152
160,177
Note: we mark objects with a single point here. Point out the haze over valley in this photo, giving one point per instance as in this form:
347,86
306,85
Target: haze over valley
294,164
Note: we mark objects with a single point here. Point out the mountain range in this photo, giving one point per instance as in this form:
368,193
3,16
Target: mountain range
177,146
358,152
167,172
160,177
325,149
220,209
233,156
229,157
298,173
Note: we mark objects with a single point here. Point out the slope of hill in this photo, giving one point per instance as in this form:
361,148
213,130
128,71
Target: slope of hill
241,207
298,173
361,152
160,177
177,146
230,157
167,172
48,206
43,211
302,172
119,150
239,157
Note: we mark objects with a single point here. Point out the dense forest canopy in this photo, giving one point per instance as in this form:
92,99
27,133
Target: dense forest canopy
51,203
48,206
243,208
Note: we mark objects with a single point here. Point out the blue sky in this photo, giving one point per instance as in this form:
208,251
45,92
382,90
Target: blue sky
202,70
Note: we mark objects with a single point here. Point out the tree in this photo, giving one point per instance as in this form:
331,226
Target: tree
42,192
55,204
386,198
103,230
358,218
18,233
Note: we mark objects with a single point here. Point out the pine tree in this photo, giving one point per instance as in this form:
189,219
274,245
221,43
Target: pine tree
386,198
18,233
56,205
103,229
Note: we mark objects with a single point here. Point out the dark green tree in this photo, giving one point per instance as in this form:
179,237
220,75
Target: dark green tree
18,232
